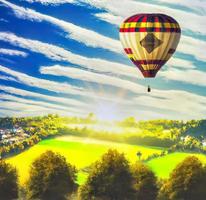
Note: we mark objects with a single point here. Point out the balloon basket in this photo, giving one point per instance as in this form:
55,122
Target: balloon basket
148,89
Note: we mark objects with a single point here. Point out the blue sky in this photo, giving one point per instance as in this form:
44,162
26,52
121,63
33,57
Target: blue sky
65,57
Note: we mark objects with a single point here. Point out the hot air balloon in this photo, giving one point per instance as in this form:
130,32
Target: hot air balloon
149,41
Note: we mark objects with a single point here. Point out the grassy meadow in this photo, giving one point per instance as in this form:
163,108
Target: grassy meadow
82,152
162,166
79,151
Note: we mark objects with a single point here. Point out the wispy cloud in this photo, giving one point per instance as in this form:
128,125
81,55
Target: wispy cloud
109,75
83,35
96,64
159,99
42,83
192,46
12,52
197,5
51,2
37,103
7,78
188,45
184,104
88,76
110,18
196,23
3,20
59,100
180,63
63,88
15,108
195,77
60,54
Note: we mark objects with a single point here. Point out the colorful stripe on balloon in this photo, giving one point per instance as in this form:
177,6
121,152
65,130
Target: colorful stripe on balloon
150,23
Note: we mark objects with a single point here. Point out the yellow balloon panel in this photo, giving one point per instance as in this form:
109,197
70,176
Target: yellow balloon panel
156,46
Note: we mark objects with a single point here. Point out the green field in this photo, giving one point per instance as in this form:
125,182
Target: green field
82,152
164,165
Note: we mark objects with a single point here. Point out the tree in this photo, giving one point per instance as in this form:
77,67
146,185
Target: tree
90,118
51,177
139,154
187,181
130,121
8,181
110,179
145,182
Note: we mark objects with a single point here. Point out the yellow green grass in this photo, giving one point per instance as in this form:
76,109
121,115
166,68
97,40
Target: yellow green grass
80,152
163,166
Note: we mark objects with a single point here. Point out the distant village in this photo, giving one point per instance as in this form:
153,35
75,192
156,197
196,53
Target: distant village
12,135
188,137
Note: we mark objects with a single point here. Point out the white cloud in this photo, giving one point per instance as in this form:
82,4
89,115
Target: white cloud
193,47
96,64
3,20
181,103
159,99
180,63
17,106
185,105
171,100
12,52
4,59
197,5
117,12
86,36
196,23
18,109
51,2
84,75
182,107
61,54
110,18
188,45
26,93
176,104
42,83
57,53
7,78
65,88
194,77
37,103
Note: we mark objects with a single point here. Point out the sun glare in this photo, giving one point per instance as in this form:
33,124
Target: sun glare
107,112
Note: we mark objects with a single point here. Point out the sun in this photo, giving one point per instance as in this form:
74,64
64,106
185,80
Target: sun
106,111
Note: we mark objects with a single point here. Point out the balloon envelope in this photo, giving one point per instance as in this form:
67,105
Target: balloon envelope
149,40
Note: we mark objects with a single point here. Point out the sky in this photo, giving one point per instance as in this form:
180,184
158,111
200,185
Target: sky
65,57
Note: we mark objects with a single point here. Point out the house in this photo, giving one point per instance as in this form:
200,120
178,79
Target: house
204,143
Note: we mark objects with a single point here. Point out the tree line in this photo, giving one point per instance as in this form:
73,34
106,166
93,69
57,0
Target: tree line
161,133
37,128
111,178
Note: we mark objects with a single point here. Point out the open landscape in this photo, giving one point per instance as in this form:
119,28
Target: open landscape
37,147
102,100
83,143
81,152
